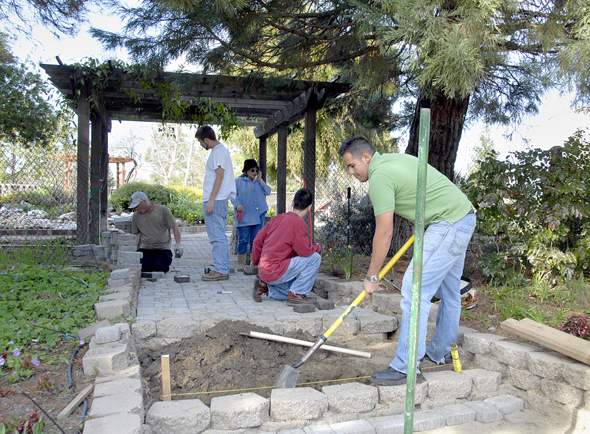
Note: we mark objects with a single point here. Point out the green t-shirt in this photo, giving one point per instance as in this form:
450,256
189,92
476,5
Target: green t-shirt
154,227
393,180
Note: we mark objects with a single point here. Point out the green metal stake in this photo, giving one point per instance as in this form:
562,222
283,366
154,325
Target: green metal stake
417,277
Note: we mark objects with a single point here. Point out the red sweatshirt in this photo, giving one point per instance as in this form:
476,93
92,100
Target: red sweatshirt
283,238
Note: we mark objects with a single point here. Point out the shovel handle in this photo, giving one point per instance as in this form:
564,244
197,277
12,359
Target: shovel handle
361,296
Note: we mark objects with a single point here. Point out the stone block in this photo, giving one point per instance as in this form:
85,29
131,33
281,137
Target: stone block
512,353
112,309
483,380
448,385
323,304
244,410
125,296
486,361
506,403
144,329
127,248
130,372
378,324
182,416
123,273
523,379
131,265
479,343
545,365
349,327
388,424
577,375
122,386
127,288
122,423
177,328
129,402
425,420
88,332
182,278
353,427
562,392
312,326
457,414
351,397
395,396
304,403
485,412
128,262
539,402
118,282
105,335
106,359
318,429
304,308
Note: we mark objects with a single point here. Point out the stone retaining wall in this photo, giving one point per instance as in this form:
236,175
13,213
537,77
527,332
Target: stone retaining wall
506,376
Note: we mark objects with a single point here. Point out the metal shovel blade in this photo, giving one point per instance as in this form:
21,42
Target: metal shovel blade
288,378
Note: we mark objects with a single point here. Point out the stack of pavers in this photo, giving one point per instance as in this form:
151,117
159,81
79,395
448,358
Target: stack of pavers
127,254
108,247
120,277
89,252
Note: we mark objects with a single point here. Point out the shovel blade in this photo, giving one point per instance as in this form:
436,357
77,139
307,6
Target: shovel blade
288,378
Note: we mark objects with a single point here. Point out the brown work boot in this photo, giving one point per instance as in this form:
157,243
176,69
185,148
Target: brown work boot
214,276
260,288
294,299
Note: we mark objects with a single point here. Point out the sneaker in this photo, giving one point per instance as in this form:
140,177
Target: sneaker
214,276
260,288
296,299
391,377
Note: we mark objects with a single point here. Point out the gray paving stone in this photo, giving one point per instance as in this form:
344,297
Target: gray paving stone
129,402
144,329
123,423
349,327
483,380
425,420
318,429
506,403
130,372
351,397
513,354
523,379
479,343
458,414
107,359
124,296
577,375
112,309
121,386
447,385
388,424
545,365
244,410
88,332
122,273
304,308
189,416
488,362
378,324
395,396
302,403
353,427
177,328
562,392
105,335
485,411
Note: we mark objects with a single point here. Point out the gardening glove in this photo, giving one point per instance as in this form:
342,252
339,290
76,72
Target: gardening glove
178,250
240,216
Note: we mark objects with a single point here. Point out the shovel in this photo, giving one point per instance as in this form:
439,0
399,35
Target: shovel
288,378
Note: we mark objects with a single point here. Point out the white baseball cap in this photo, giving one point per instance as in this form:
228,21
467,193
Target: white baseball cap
137,198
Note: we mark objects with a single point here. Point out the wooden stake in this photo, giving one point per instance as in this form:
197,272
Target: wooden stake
166,378
75,402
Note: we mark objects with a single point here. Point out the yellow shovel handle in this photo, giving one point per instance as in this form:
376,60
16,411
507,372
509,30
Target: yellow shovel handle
361,296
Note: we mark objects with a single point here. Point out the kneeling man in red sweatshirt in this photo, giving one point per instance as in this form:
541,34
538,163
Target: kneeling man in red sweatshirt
287,262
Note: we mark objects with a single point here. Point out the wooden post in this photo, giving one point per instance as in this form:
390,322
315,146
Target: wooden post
118,175
282,169
262,157
95,178
309,160
82,175
104,196
166,378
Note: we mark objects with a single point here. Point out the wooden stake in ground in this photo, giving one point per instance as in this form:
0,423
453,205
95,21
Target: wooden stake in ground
75,402
166,378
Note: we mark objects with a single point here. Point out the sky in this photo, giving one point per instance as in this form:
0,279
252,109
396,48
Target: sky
555,122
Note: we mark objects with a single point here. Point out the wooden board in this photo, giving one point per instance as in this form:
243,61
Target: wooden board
75,402
562,342
166,378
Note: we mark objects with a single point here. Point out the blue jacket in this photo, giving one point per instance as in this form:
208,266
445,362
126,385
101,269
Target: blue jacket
251,195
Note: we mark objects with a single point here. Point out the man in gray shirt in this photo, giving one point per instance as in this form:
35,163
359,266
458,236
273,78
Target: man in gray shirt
152,224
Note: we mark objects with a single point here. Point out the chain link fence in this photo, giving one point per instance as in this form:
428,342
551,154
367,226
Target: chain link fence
37,200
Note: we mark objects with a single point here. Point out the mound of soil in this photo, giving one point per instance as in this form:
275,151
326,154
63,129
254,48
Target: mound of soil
221,359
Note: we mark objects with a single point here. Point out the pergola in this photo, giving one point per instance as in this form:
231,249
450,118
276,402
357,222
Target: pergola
272,105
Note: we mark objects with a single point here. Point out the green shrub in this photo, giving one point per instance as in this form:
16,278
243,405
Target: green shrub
41,198
192,212
533,211
156,193
182,194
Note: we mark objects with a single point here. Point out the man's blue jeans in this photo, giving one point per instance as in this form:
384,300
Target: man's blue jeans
246,235
216,228
445,246
299,277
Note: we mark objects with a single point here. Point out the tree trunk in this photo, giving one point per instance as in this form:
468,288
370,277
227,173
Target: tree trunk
447,117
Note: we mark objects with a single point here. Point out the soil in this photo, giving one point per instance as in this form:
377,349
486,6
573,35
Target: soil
54,399
221,359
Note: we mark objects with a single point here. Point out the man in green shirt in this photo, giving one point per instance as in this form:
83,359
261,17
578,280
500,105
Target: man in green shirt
450,218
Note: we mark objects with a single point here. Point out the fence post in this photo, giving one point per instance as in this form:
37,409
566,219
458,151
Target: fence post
82,175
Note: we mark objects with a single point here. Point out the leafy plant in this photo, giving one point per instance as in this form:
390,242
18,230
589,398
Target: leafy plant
31,424
156,193
533,211
339,261
577,325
